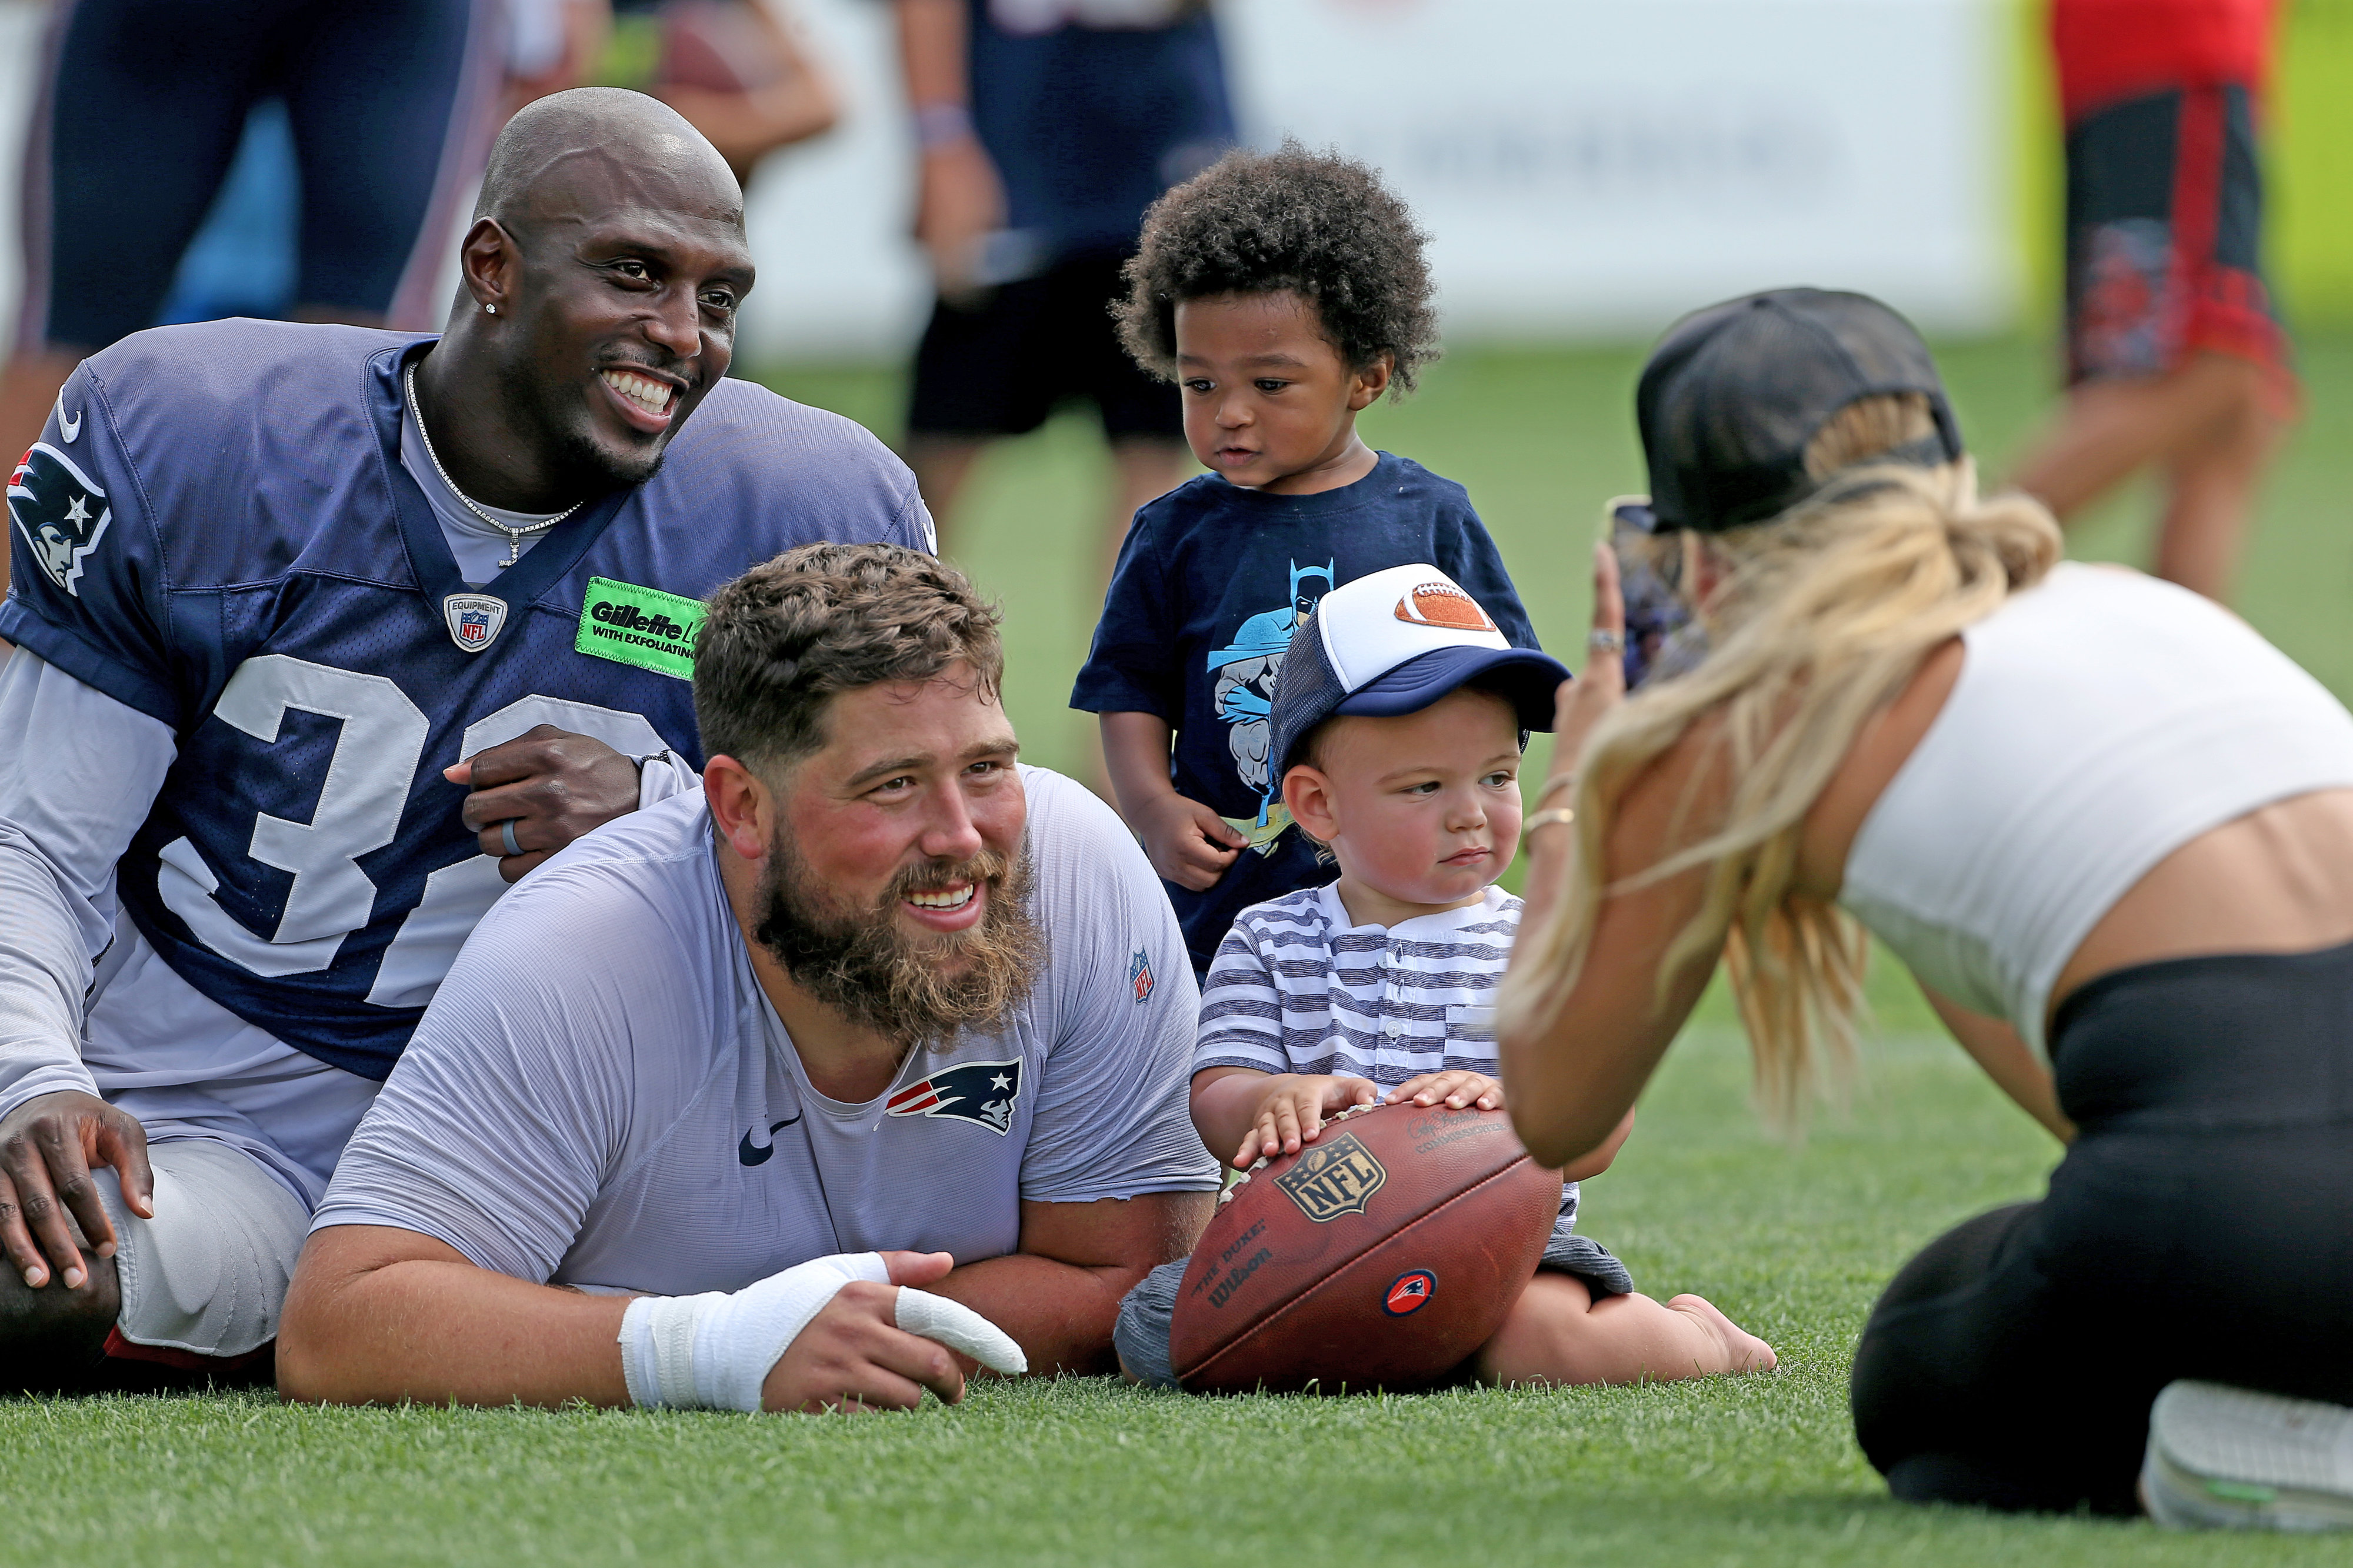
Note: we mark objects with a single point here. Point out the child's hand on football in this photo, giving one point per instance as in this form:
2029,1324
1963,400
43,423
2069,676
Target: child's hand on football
1292,1111
1457,1089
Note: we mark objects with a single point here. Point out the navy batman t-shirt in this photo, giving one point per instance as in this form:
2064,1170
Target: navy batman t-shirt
1212,581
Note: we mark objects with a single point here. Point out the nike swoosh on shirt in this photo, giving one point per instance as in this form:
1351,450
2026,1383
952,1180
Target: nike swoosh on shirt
750,1153
69,428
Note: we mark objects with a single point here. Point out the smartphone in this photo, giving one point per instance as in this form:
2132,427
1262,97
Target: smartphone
1649,575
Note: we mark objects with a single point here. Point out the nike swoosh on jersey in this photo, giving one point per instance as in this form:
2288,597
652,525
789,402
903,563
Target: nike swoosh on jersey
69,428
750,1153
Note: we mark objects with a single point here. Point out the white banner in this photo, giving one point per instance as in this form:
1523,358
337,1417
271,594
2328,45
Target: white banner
1588,169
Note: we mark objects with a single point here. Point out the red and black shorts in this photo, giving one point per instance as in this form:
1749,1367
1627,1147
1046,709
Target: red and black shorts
2164,238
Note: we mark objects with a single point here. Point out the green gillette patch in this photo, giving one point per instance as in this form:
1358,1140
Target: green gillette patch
643,626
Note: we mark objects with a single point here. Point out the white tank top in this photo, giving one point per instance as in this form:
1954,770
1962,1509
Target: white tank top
2102,720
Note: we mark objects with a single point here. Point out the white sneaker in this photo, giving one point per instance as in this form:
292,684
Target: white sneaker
2231,1458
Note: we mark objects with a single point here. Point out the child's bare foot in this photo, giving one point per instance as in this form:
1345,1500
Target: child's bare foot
1742,1352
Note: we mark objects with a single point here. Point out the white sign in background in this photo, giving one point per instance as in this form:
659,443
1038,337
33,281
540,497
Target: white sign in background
1588,169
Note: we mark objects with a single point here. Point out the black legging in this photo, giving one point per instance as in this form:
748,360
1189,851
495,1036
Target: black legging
2200,1226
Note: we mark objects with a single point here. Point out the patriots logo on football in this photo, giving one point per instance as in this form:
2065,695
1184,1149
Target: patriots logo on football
979,1092
60,512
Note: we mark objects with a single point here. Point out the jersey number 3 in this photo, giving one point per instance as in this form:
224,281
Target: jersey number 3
369,777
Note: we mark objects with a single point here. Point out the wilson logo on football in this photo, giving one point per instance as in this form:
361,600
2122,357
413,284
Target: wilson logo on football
1410,1293
1332,1179
1443,605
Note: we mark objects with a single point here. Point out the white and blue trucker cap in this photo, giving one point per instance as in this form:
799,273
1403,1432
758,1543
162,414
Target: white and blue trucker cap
1394,642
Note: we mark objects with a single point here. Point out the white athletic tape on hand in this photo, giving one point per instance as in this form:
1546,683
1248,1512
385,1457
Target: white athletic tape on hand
959,1328
714,1352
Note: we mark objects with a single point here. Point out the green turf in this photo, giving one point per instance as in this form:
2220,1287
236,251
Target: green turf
1792,1240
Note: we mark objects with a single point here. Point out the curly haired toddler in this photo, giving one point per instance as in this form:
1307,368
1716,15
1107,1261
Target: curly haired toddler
1284,293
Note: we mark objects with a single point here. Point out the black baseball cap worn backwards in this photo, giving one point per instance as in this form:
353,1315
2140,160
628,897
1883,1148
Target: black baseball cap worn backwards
1734,392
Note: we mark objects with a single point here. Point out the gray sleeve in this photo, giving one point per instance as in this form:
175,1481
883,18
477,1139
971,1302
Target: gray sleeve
78,773
1113,1119
498,1127
663,775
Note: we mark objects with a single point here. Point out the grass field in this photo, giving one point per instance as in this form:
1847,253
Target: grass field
1794,1241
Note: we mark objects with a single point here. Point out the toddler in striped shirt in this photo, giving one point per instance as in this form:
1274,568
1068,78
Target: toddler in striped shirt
1397,726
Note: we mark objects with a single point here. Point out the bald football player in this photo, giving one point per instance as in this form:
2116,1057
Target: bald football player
707,1100
326,636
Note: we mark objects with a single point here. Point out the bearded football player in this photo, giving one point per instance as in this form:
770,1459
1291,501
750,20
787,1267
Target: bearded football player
853,1059
325,636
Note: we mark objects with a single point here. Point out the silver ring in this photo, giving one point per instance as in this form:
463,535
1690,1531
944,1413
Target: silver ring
507,838
1606,642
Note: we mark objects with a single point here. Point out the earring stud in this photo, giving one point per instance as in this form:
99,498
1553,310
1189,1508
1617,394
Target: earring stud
492,309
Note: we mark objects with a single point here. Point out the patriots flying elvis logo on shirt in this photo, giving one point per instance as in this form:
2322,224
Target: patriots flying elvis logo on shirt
59,510
979,1092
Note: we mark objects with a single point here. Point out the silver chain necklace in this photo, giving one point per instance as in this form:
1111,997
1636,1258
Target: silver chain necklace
515,536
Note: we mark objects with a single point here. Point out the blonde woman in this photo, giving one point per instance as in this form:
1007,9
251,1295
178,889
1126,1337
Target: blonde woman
2108,828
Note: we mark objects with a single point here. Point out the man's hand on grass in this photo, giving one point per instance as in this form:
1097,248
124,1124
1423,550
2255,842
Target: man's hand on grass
853,1356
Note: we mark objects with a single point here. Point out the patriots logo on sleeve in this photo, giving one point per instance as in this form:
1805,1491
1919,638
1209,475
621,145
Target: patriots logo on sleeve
978,1092
59,511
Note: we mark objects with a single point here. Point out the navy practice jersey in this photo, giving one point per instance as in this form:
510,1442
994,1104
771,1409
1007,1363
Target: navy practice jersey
1090,108
215,530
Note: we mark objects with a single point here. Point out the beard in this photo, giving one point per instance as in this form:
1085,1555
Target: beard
586,466
577,463
912,990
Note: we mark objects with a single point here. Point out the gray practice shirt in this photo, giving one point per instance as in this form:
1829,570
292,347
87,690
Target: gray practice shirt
600,1095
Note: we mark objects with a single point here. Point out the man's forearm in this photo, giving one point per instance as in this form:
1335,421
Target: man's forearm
437,1329
1059,1313
44,970
932,53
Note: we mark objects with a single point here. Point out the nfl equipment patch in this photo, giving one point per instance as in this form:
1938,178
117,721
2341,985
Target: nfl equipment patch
1139,975
979,1092
59,511
474,619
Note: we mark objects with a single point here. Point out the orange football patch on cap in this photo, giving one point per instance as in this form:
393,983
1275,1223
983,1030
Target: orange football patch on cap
1443,605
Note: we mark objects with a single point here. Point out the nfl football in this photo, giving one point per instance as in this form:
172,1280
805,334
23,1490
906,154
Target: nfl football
1380,1256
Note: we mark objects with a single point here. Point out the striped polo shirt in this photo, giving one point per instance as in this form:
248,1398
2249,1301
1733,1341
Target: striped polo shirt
1298,988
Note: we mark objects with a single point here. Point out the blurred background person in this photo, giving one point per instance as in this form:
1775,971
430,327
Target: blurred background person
1045,128
2175,359
388,106
737,69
